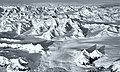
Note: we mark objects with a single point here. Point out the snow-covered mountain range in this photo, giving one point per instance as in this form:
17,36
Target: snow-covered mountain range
59,22
32,37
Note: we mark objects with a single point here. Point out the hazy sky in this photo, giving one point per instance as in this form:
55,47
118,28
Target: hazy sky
64,1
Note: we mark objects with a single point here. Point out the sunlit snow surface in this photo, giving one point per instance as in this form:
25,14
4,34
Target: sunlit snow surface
60,38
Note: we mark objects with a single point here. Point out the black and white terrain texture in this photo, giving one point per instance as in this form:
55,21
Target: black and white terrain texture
50,37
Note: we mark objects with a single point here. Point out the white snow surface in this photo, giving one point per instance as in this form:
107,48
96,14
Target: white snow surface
10,40
95,53
4,60
25,47
116,66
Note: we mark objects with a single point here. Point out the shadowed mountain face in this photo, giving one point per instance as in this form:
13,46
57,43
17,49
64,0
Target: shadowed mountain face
91,49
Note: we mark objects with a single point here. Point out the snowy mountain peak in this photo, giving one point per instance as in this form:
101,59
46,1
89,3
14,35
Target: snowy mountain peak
95,54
